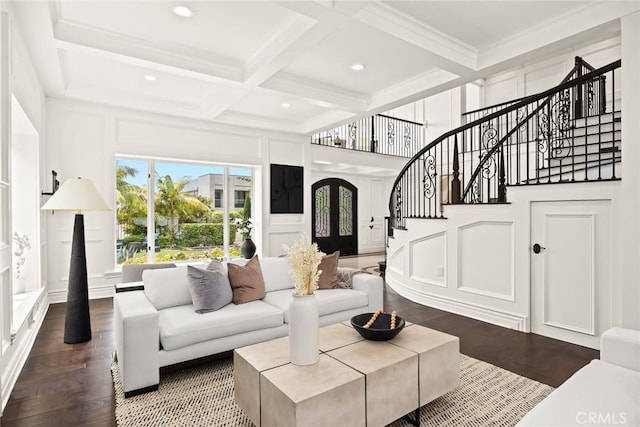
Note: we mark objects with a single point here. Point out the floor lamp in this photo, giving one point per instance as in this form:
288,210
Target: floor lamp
77,195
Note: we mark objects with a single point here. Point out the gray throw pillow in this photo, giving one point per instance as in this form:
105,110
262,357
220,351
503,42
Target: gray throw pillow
210,289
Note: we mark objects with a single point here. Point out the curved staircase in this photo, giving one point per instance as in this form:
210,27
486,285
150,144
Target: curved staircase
570,133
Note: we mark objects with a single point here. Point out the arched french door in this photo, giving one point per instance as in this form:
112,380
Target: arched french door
335,216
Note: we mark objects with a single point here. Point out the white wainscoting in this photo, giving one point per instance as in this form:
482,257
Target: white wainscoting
428,259
486,257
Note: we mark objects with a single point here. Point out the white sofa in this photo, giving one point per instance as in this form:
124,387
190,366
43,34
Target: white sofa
159,326
605,392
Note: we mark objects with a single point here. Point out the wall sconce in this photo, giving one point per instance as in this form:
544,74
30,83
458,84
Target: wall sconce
54,184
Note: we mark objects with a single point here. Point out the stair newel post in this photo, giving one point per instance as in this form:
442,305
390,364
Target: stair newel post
455,182
502,188
603,94
373,134
579,90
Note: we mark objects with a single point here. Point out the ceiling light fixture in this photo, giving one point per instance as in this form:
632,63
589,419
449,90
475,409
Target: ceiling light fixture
150,78
286,105
357,67
183,11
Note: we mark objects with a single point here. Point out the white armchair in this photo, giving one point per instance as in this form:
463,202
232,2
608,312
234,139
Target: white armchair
605,392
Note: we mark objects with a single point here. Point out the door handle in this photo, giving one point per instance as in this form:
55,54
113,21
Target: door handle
537,248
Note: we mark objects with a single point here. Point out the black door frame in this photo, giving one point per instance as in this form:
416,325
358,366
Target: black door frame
334,242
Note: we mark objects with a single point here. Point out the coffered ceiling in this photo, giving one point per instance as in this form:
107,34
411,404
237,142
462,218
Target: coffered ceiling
286,65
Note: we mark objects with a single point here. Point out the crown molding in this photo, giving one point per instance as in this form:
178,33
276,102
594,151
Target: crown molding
386,18
413,89
73,33
564,30
324,95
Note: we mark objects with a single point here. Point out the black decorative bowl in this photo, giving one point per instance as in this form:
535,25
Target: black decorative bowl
380,330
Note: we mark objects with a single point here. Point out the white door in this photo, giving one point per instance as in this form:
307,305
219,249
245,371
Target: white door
571,270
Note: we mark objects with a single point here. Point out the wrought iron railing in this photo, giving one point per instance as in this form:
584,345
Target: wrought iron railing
376,134
542,139
593,93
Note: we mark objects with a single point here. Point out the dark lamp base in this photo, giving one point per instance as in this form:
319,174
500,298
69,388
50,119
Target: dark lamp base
77,323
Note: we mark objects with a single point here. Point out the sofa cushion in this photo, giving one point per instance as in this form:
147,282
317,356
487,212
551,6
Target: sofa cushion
210,288
247,282
329,300
598,390
167,287
276,274
329,275
133,272
182,326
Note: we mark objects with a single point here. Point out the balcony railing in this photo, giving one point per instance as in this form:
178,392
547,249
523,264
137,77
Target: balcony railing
376,134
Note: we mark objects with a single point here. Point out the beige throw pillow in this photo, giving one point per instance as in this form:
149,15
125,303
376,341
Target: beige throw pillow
329,275
247,282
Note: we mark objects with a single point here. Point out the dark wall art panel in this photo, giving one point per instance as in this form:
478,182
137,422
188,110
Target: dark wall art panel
286,189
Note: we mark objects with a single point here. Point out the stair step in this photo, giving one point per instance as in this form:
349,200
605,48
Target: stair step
579,150
602,118
571,170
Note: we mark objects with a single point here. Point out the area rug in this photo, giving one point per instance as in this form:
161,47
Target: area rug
203,396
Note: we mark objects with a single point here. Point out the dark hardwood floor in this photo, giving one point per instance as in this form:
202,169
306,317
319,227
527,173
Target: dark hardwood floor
70,385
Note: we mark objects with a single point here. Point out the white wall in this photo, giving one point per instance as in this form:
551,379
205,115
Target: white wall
539,76
477,261
17,76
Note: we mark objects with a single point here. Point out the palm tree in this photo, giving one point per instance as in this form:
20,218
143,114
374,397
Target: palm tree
131,199
129,194
175,203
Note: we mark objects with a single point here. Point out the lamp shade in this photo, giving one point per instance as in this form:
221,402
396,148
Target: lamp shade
76,194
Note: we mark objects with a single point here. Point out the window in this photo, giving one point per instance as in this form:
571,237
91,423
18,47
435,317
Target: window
189,219
240,197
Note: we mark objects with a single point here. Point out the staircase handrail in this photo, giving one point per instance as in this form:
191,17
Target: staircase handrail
567,82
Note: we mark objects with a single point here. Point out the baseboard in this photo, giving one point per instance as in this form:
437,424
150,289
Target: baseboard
463,308
24,344
95,292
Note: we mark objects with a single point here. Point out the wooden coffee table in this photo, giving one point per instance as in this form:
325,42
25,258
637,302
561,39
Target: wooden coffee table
356,382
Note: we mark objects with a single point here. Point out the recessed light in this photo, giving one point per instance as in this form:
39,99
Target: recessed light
286,105
150,78
183,11
357,67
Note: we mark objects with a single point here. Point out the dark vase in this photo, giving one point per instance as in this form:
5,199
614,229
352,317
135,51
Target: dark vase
248,248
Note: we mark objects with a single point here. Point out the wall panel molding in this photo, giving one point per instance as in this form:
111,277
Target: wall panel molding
486,259
419,270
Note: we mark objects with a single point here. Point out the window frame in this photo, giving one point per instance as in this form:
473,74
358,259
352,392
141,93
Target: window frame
151,204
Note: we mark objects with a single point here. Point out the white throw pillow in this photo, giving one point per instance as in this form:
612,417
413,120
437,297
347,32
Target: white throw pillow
167,287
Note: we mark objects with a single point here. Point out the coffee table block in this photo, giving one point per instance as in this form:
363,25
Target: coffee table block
439,360
313,395
248,363
392,378
338,335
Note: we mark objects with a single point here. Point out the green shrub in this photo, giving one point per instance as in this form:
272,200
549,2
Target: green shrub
203,234
132,238
216,217
163,241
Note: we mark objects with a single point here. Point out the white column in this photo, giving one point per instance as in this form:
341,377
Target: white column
629,298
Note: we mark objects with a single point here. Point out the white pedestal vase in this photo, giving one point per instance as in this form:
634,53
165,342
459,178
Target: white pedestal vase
303,330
